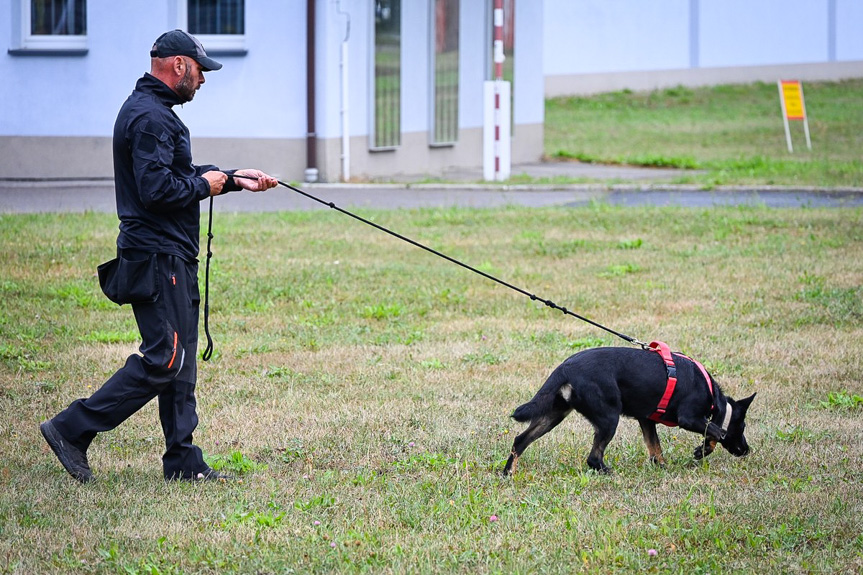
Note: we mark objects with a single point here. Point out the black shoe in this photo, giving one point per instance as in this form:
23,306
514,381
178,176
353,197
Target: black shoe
207,474
72,458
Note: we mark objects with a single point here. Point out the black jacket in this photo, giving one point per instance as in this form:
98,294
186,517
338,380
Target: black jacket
158,188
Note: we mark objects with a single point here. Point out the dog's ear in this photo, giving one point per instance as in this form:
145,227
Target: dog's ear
745,402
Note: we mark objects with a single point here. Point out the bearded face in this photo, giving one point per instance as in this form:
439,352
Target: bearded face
191,81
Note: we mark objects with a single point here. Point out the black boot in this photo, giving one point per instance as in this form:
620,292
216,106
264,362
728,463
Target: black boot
72,458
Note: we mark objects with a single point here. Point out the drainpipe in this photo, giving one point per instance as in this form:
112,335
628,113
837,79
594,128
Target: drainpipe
311,136
343,66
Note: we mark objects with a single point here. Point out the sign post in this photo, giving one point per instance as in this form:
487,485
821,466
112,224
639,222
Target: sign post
793,108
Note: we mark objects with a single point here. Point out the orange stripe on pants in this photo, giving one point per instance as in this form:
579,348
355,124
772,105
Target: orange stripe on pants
174,354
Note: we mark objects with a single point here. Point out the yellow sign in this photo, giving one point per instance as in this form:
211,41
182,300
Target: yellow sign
792,95
793,108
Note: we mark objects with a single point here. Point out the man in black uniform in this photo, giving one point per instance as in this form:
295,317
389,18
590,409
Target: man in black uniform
159,191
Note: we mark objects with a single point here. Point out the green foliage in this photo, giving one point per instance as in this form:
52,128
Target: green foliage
619,270
382,311
431,461
269,518
630,244
585,343
842,400
236,462
795,434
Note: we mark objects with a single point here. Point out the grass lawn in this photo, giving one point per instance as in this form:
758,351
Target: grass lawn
361,388
733,134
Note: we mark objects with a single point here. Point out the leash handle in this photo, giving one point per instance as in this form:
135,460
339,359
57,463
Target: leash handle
208,353
534,297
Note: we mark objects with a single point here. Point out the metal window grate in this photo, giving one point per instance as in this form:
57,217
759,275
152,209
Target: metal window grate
387,80
58,17
446,71
217,17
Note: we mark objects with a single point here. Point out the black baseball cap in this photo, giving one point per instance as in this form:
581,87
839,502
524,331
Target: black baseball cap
180,43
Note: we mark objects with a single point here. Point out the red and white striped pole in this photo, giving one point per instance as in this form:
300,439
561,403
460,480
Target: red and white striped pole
496,153
498,78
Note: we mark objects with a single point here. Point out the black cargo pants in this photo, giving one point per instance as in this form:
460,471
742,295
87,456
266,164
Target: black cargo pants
167,369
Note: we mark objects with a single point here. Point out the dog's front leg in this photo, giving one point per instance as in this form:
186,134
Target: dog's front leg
704,449
651,440
711,432
712,435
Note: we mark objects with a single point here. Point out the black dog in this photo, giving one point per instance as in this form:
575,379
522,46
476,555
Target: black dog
603,383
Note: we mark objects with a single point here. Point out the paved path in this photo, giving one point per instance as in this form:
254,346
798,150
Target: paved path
98,196
618,185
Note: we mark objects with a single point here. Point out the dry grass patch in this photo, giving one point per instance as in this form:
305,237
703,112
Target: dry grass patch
365,403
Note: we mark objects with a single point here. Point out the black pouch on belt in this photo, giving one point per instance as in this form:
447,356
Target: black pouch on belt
130,278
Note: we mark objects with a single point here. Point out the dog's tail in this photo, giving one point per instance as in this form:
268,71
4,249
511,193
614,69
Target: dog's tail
552,396
527,411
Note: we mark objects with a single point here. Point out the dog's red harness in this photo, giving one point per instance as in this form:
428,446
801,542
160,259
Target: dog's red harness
671,374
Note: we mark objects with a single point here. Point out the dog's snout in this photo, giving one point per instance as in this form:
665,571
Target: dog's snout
742,451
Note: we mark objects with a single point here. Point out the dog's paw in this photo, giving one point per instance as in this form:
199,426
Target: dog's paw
657,460
704,449
701,452
602,469
510,466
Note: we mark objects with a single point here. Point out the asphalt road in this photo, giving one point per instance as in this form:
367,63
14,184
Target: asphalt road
616,185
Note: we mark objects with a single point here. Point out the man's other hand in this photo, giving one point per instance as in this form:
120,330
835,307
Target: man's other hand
217,181
262,182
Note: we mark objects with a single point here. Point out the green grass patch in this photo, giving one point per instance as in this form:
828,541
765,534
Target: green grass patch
729,135
236,462
362,388
842,400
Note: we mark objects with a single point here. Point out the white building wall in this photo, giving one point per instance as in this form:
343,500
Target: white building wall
766,32
605,45
261,94
601,36
530,91
58,110
848,22
474,63
82,94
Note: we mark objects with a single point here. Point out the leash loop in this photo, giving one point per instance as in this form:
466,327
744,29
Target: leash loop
208,353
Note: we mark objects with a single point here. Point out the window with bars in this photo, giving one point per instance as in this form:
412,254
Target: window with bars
49,25
216,17
58,17
220,25
445,70
386,84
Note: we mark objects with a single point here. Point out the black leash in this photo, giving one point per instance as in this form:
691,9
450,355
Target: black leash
208,353
533,297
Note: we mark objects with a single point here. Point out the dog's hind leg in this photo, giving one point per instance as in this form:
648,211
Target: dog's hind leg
538,427
604,429
651,440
